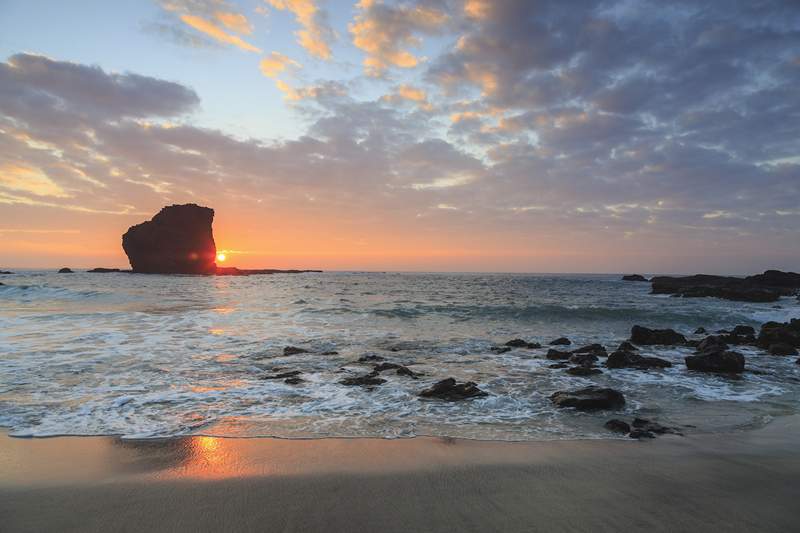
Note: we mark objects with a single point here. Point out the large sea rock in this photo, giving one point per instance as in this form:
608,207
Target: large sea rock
766,287
178,240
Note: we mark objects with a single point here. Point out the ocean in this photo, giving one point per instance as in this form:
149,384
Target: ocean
145,356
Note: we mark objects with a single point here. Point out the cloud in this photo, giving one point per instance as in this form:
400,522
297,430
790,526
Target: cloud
234,21
276,63
385,32
17,177
316,34
409,93
215,32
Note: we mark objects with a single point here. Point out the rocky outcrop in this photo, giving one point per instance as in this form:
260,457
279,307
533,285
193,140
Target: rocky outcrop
628,359
561,341
449,390
5,272
719,361
781,348
766,287
618,426
589,399
645,336
101,270
65,270
178,240
557,355
779,333
519,343
367,380
634,277
293,350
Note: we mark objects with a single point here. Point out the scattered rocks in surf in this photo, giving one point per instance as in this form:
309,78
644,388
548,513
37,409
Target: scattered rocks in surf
405,371
558,365
781,348
700,331
557,355
583,371
519,343
583,359
5,272
561,341
370,358
718,360
65,270
589,399
367,380
779,333
499,349
653,427
629,359
593,349
293,350
450,390
294,381
284,375
634,277
618,426
386,366
645,336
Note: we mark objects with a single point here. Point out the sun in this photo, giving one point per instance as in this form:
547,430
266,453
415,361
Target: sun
221,257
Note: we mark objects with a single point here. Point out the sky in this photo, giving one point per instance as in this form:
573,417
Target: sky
428,135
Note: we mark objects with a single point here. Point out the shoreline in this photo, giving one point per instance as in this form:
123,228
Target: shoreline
735,481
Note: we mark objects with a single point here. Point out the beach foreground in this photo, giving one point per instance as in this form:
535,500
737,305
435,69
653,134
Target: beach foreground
745,481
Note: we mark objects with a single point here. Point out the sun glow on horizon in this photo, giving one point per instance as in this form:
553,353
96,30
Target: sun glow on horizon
221,257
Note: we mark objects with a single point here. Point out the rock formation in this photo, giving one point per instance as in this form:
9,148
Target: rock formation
766,287
178,240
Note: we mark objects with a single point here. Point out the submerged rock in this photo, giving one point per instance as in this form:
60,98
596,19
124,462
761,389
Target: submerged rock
499,349
386,366
634,277
653,427
561,341
583,370
5,272
405,371
557,355
294,381
781,348
293,350
519,343
101,270
700,331
597,350
370,379
617,426
370,358
589,398
65,270
645,336
583,359
626,359
284,375
719,361
558,365
178,240
448,389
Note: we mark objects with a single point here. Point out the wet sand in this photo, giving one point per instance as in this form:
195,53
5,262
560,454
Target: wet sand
746,481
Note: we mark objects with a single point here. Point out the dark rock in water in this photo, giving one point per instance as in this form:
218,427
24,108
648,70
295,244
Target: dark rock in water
370,379
778,333
293,350
626,346
294,381
700,331
284,375
558,365
178,240
101,270
653,427
370,358
720,362
641,434
519,343
743,330
645,336
65,270
583,370
623,359
561,341
5,272
589,398
766,287
331,352
405,371
449,390
594,349
781,348
617,426
386,366
557,354
634,277
712,343
500,349
1,284
583,359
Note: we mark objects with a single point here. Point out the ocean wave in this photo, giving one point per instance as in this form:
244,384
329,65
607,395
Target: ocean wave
45,292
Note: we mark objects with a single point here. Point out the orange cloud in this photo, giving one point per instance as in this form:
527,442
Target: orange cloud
276,63
411,94
234,21
383,32
30,180
215,32
315,33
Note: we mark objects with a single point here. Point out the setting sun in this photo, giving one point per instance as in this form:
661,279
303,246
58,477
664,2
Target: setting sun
221,258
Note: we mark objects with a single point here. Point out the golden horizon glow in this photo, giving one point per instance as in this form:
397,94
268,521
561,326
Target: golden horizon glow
221,257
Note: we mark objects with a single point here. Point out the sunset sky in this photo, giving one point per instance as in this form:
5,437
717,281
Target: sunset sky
458,135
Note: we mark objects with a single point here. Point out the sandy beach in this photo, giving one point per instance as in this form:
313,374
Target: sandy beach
745,481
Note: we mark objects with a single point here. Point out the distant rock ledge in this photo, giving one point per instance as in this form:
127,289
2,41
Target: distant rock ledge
766,287
179,240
